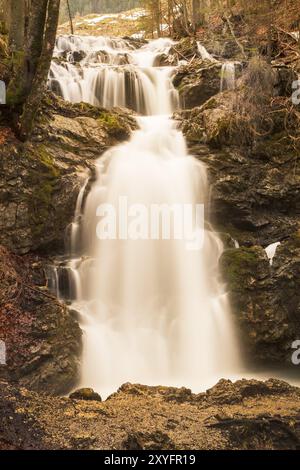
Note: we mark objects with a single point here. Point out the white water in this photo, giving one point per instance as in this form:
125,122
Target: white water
152,311
227,76
112,73
271,251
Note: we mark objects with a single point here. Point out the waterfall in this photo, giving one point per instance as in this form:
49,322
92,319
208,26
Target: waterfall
227,76
152,309
2,92
205,55
112,73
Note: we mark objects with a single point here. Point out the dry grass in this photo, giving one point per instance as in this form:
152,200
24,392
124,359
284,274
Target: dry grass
251,116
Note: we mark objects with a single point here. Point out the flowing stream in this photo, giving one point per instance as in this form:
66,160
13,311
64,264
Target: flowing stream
152,310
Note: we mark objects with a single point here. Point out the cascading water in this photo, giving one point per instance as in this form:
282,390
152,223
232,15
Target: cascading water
152,311
227,76
111,73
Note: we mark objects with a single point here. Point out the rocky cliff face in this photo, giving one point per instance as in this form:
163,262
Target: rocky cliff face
242,415
255,198
40,180
43,340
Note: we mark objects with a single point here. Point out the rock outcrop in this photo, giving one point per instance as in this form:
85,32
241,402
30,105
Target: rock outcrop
266,299
42,338
40,180
197,82
245,415
255,198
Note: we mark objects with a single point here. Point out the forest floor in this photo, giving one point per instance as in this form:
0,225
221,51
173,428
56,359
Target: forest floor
126,23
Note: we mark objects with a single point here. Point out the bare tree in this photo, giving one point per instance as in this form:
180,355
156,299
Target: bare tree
16,15
40,78
32,32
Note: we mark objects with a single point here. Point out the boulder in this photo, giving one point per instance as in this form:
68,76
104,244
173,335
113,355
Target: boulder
85,394
197,82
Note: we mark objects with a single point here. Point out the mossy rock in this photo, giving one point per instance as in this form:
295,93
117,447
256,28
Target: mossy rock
85,394
242,266
44,176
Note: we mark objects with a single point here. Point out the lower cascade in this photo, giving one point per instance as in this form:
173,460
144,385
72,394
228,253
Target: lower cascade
152,310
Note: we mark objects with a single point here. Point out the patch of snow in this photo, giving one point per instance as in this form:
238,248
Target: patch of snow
98,19
271,250
133,16
139,35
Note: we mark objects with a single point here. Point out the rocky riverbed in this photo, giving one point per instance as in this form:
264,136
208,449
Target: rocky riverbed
242,415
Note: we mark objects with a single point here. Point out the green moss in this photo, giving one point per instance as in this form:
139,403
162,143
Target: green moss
109,120
15,91
47,160
220,132
43,178
238,266
210,104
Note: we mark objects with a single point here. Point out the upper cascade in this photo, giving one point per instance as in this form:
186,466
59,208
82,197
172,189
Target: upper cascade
111,72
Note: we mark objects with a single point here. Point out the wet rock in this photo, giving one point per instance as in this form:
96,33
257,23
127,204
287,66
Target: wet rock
78,56
255,190
165,60
178,395
136,43
197,82
85,394
255,199
265,299
40,180
43,341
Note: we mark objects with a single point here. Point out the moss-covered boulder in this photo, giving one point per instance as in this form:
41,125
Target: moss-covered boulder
85,394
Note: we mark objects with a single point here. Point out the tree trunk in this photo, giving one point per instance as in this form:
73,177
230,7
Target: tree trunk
270,30
157,17
25,64
70,17
16,24
170,16
39,84
4,16
195,14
